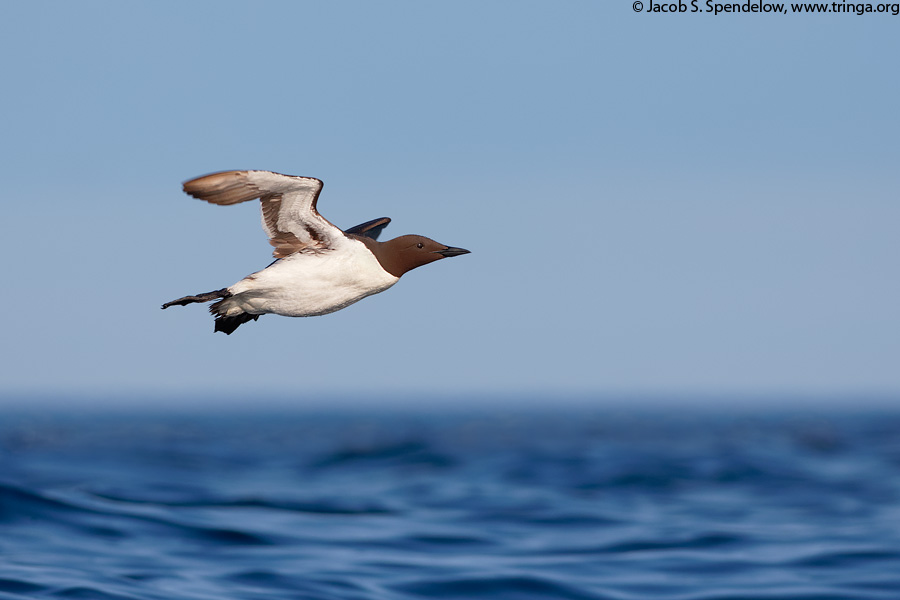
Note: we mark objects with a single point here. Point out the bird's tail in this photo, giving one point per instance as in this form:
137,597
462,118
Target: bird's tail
225,322
228,323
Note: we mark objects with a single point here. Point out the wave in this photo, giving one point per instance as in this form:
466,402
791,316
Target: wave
570,510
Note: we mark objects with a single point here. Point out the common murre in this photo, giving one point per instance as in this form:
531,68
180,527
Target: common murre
319,269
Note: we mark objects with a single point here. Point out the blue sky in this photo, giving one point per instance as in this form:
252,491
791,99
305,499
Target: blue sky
671,205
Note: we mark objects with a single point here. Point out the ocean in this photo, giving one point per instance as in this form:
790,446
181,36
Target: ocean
589,503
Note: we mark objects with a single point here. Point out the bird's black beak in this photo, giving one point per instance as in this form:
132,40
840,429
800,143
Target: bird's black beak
452,252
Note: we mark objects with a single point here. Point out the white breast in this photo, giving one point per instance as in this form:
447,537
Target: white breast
309,284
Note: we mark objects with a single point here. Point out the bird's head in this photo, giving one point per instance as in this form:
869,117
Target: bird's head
407,252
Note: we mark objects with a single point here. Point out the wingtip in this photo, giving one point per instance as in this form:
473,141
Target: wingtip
223,187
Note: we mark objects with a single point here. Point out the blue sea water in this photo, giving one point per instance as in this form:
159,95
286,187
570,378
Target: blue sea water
581,504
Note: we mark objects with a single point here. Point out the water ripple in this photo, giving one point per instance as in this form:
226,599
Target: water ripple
510,587
557,507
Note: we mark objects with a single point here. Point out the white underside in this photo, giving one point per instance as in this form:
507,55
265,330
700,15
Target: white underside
310,284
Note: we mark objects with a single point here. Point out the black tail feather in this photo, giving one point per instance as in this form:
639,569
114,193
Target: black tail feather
227,325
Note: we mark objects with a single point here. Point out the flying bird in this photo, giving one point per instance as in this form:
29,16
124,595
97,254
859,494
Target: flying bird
318,268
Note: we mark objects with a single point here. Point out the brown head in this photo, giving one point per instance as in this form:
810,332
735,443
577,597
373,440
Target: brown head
405,253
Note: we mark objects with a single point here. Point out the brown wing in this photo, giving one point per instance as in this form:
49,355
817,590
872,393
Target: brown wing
370,229
288,204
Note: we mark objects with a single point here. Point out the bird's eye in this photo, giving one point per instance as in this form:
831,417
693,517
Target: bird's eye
420,245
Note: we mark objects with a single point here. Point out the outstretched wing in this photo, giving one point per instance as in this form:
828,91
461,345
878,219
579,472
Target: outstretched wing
289,215
370,229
